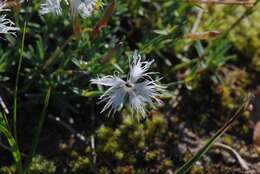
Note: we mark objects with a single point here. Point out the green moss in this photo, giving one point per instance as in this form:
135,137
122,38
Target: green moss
79,164
103,170
197,170
7,170
152,155
119,155
166,164
227,139
125,170
129,144
40,165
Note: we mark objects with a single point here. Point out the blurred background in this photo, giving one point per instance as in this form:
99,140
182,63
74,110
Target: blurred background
207,54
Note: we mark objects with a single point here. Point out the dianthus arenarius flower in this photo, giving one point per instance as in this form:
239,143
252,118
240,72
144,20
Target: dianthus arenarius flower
6,25
51,6
82,7
139,88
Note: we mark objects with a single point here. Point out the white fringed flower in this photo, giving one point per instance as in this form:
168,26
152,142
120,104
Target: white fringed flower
83,7
3,6
51,6
139,88
7,26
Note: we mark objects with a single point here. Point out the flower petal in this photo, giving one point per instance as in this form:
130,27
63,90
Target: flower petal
114,98
149,91
51,6
7,26
138,68
3,5
108,81
144,93
83,7
137,103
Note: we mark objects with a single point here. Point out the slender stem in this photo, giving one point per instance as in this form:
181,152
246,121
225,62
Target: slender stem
5,147
198,20
247,13
185,168
17,82
39,128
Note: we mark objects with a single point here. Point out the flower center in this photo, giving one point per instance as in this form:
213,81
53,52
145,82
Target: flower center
129,86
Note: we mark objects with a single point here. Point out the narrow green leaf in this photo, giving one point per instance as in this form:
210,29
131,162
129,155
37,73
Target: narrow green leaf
12,143
38,129
185,168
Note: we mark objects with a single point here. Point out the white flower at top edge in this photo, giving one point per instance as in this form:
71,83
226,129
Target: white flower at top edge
82,7
51,6
7,26
3,6
139,88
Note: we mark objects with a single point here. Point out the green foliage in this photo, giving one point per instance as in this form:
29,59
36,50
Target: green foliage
40,165
138,155
79,164
4,130
186,167
244,37
8,170
204,79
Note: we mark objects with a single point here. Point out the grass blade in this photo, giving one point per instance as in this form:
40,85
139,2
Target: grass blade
185,168
38,129
17,82
12,143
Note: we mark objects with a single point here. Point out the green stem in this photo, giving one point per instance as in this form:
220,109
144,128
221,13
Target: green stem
186,167
15,149
38,129
17,83
4,129
247,13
